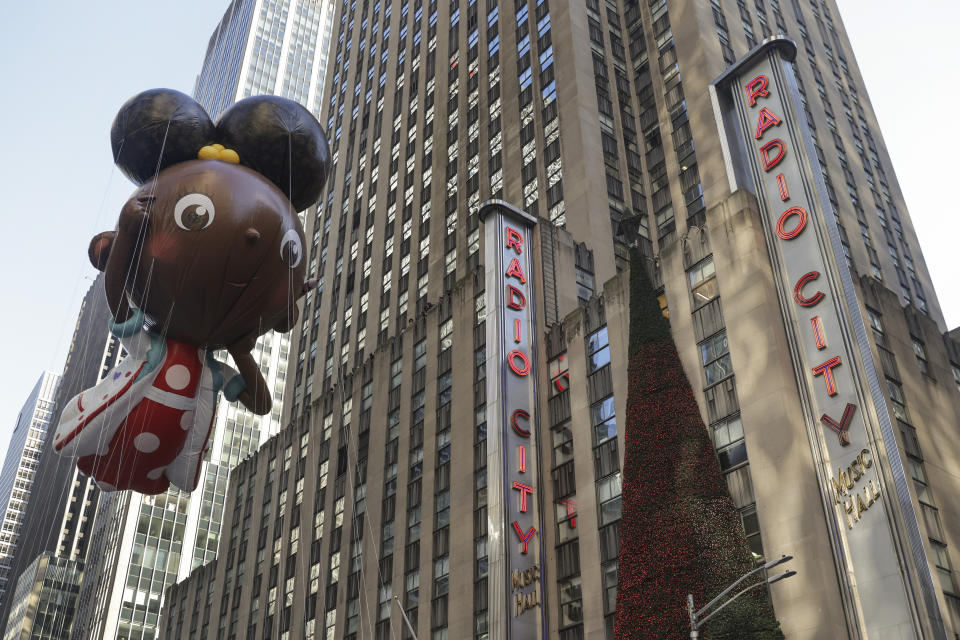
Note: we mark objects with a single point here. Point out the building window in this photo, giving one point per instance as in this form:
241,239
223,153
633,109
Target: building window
442,509
919,480
604,421
953,604
897,399
571,602
566,510
585,285
420,355
396,373
562,437
715,358
446,335
598,350
560,375
729,443
609,498
751,527
441,576
921,353
610,575
444,388
876,325
703,282
944,568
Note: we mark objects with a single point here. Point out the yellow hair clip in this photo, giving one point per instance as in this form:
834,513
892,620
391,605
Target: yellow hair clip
218,152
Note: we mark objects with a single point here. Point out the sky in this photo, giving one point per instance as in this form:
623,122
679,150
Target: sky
68,66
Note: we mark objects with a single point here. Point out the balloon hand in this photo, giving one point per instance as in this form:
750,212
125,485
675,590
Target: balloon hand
256,397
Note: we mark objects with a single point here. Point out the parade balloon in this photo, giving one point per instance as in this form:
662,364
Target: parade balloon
207,254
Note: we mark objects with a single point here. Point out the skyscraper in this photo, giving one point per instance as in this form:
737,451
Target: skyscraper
144,543
44,600
20,467
597,120
59,516
267,46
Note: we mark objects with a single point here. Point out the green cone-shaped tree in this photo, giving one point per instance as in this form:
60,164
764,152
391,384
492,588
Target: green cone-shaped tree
680,533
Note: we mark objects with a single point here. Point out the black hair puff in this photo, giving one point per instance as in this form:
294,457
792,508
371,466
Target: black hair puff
274,136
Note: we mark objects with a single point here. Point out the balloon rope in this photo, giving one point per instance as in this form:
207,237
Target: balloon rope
352,447
290,311
125,403
50,506
46,510
130,277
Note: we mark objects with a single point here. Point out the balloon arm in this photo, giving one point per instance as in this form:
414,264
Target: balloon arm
121,264
256,396
288,321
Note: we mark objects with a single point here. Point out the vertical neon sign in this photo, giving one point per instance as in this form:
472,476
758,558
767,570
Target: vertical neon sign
873,526
515,554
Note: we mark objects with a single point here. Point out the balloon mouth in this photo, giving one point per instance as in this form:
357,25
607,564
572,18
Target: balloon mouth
240,284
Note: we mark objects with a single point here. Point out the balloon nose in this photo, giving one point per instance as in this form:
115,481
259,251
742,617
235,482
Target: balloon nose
252,235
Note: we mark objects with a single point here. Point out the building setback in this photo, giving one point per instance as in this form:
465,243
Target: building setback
596,119
20,468
145,543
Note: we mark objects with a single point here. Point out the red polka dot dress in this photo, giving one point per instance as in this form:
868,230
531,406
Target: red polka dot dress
147,424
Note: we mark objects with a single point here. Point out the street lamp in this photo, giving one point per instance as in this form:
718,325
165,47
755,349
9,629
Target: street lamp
697,619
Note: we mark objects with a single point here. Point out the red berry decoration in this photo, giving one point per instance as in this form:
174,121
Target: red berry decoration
680,532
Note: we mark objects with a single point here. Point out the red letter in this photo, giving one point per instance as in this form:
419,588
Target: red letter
524,491
571,511
524,367
516,330
524,537
515,240
516,271
561,381
782,186
515,298
826,369
514,422
842,426
781,223
756,88
769,163
818,332
798,290
765,121
522,453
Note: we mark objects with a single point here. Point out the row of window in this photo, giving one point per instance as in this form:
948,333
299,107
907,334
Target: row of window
915,462
726,430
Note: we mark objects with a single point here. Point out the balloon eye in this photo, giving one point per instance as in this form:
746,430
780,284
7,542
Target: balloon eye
290,249
194,212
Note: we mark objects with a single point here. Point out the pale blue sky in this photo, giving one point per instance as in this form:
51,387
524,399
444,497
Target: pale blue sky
68,66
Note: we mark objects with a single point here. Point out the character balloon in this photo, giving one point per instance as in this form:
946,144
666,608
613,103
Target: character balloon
207,254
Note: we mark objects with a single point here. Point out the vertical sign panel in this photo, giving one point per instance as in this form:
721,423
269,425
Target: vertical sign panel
884,576
515,553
